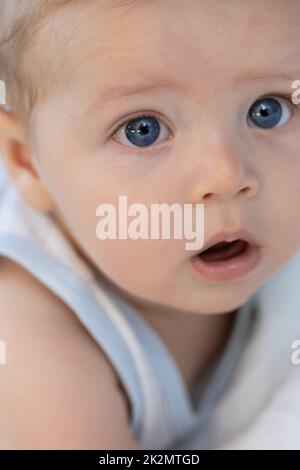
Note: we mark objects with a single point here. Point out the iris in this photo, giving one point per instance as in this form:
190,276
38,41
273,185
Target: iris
266,113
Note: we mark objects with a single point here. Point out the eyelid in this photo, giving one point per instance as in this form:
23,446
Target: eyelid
286,96
138,114
289,98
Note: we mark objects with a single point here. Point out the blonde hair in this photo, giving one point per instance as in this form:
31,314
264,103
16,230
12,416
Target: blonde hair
19,21
20,62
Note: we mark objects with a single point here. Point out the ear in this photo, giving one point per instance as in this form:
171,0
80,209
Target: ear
18,160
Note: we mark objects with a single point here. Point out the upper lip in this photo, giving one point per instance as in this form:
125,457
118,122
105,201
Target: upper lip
226,236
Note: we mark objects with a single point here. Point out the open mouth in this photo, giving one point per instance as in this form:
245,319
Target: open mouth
224,251
232,258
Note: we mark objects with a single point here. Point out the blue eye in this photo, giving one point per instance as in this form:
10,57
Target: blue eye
267,113
142,131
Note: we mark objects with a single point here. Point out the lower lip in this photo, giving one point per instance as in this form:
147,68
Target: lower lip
233,268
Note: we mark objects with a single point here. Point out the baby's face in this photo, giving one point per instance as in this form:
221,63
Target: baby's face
203,64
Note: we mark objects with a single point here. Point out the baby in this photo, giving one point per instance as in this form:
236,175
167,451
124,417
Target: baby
133,343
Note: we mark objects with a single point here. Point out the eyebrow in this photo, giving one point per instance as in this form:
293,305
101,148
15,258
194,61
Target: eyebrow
123,91
116,92
252,77
280,71
119,91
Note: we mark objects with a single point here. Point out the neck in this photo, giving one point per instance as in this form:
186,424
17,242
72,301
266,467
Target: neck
194,340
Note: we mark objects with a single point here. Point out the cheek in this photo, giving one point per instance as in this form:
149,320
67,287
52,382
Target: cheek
144,266
135,265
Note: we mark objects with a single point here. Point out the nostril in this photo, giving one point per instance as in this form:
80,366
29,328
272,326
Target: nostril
207,196
246,190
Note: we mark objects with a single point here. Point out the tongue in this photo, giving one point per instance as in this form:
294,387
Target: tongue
222,251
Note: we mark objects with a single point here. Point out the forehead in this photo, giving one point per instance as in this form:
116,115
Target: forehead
100,42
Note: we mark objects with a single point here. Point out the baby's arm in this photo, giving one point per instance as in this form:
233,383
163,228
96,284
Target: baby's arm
57,388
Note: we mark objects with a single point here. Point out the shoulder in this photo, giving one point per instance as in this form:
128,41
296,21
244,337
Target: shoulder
57,388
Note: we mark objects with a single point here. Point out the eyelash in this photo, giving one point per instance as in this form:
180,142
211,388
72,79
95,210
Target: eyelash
287,97
135,116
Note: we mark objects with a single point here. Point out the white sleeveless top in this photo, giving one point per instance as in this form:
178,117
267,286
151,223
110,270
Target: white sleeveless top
163,414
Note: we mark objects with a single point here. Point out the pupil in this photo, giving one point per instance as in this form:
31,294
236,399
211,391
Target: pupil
144,129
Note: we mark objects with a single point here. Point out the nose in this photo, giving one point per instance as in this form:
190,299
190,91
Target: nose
222,173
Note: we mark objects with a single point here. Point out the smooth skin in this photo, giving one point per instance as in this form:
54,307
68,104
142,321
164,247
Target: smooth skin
204,67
